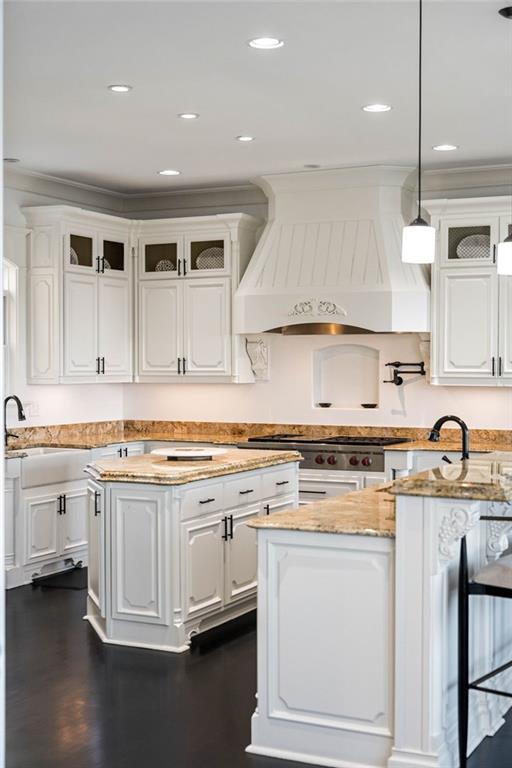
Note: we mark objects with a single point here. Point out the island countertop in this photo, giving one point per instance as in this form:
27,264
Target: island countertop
369,513
488,478
153,469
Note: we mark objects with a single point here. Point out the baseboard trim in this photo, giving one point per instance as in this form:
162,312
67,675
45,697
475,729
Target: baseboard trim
148,646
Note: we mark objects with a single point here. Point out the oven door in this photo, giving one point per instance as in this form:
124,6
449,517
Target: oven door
315,485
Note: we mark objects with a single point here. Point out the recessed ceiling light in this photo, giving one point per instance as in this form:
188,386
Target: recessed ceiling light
169,172
120,88
445,147
266,43
376,108
244,138
188,115
11,160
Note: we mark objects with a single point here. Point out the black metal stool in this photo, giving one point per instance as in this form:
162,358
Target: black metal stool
494,580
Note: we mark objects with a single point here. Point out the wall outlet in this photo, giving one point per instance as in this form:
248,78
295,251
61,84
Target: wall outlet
31,409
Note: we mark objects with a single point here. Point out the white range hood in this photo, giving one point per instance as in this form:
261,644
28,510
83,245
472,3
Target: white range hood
329,259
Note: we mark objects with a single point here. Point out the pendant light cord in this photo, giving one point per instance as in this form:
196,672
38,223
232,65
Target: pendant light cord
420,99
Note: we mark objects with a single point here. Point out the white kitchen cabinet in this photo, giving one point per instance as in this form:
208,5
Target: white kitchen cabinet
80,297
55,523
80,326
184,328
241,556
203,564
119,450
41,517
160,328
96,539
471,314
468,332
114,318
81,302
207,327
315,486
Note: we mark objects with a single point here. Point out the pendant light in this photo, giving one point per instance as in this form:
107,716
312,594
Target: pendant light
504,260
419,239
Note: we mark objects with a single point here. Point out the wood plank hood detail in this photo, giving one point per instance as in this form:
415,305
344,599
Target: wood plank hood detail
331,251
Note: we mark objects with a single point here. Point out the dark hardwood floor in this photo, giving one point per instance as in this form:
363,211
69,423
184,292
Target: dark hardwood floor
72,701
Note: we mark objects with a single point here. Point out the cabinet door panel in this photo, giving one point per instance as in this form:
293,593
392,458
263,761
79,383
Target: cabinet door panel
467,332
80,250
115,328
505,327
207,340
315,489
96,550
80,325
241,567
41,527
74,522
43,338
203,564
468,240
160,328
138,556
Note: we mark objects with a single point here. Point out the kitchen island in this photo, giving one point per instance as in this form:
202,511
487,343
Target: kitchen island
170,551
357,621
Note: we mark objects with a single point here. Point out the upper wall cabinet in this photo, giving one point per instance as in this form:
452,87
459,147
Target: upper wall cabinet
184,322
471,303
80,324
83,301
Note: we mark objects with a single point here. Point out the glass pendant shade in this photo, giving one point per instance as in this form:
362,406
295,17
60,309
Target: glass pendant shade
504,260
418,243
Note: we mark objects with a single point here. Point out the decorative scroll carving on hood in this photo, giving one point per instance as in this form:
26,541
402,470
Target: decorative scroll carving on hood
331,253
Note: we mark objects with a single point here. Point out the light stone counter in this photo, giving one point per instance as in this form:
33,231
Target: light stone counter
369,513
482,479
157,470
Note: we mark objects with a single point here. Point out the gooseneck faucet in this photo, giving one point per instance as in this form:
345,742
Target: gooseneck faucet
21,416
435,432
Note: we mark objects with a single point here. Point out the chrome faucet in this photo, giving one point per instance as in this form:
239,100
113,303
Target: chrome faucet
21,416
435,432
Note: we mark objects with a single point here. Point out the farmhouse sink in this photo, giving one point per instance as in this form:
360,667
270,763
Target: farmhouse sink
46,466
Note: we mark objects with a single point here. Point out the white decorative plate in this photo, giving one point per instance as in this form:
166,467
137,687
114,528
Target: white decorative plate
73,256
106,264
211,258
474,247
164,265
189,452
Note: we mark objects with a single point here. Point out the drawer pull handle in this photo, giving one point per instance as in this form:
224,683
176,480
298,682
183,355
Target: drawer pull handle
249,490
206,501
267,509
230,533
282,482
225,533
305,490
97,507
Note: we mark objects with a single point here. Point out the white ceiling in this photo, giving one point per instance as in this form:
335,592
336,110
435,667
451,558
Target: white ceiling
301,102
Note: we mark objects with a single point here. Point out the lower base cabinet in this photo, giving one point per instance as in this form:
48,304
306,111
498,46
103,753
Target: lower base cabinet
166,563
55,519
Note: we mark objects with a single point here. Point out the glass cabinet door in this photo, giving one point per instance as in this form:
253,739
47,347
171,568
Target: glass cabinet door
469,241
80,250
161,258
114,252
206,255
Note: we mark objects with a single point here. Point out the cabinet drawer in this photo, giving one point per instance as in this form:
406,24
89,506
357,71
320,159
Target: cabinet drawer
278,483
244,490
198,501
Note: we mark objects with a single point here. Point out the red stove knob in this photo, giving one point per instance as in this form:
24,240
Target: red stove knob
319,459
354,461
366,462
332,460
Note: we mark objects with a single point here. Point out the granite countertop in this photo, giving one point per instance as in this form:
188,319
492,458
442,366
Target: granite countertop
487,478
368,513
153,469
475,446
86,441
15,454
